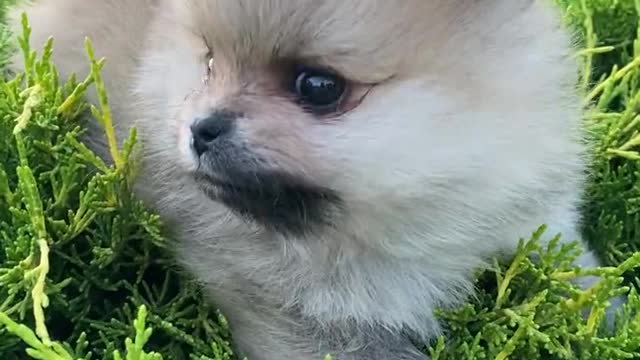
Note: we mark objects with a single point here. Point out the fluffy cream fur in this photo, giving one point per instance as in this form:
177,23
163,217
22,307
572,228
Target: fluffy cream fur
464,137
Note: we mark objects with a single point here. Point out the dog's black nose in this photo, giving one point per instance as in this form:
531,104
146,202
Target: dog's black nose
206,130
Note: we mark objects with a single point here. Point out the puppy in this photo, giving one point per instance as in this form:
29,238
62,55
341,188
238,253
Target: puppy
336,170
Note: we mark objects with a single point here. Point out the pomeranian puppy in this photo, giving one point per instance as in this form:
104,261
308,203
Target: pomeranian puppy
336,170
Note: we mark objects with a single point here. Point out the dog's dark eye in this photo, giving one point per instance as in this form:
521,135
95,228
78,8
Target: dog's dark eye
319,90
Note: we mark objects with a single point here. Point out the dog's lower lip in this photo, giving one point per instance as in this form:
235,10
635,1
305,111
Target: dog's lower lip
219,183
275,200
224,185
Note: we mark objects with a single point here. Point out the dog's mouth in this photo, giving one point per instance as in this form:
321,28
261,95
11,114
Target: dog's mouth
278,201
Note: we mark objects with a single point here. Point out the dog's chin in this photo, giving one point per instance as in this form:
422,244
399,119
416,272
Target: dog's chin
274,200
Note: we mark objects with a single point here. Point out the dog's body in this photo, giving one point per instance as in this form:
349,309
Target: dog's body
461,136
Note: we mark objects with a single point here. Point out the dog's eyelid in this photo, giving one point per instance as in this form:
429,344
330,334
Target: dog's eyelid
209,53
208,56
353,77
296,64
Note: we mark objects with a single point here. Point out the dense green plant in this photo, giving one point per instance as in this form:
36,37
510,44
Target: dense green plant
78,255
86,273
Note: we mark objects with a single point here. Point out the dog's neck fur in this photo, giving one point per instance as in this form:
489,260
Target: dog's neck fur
337,276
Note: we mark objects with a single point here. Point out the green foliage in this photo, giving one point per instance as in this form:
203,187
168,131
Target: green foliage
529,311
78,255
612,23
85,271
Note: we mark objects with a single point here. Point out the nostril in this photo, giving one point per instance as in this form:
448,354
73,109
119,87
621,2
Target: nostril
209,132
206,130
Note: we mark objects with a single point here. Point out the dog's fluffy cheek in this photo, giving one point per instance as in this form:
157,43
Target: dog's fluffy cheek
395,138
166,83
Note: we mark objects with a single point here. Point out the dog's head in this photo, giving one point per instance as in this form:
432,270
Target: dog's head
298,113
